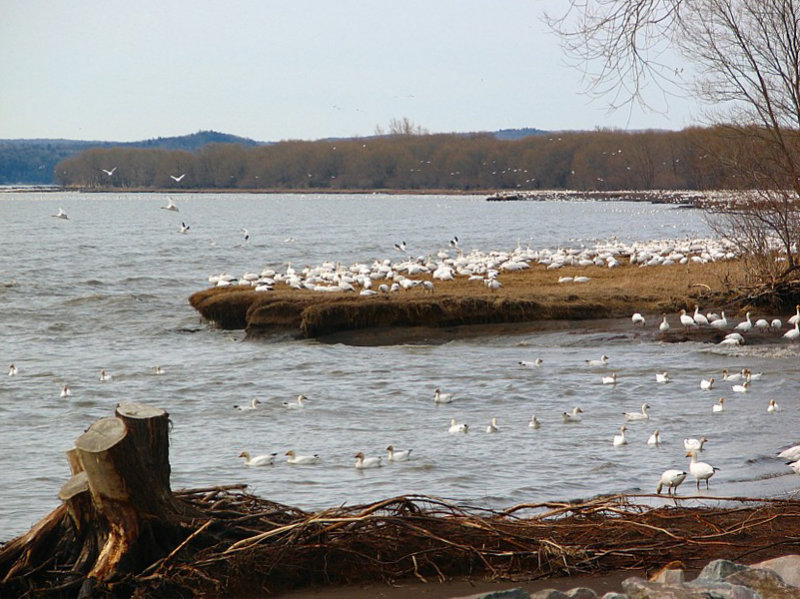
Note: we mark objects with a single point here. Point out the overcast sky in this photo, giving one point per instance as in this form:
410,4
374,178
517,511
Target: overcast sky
300,69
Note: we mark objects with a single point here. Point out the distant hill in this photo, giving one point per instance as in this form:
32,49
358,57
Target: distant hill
31,161
511,134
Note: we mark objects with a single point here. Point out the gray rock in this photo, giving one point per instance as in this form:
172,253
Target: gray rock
719,569
764,582
612,595
549,594
505,594
669,577
581,593
787,567
639,588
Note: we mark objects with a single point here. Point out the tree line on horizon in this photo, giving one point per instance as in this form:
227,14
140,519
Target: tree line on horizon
693,158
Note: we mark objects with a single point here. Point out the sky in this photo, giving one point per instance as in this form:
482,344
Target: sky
306,69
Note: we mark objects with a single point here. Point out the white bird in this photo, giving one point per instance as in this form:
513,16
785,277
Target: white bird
745,325
730,377
699,319
796,318
637,318
109,173
687,321
454,242
536,363
793,334
672,479
620,438
655,438
720,323
400,247
707,384
457,428
776,324
439,397
12,370
573,416
301,459
362,463
534,423
299,404
170,206
65,391
719,406
253,405
610,379
398,455
492,427
662,377
184,228
260,460
664,326
603,361
761,324
60,214
694,444
159,370
749,375
773,406
104,376
246,234
177,179
743,388
643,415
700,470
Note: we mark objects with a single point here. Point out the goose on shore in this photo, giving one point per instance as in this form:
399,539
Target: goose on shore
398,455
638,319
664,326
796,317
687,321
671,479
700,470
793,334
699,319
721,323
260,460
745,325
643,415
362,462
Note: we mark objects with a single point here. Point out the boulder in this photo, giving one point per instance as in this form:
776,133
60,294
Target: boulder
787,567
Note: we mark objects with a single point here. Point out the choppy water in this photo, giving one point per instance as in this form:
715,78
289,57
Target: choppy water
109,287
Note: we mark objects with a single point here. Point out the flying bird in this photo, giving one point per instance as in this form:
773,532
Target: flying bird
109,173
184,228
177,179
246,234
60,214
170,206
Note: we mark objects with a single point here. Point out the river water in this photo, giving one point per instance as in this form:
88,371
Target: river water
108,288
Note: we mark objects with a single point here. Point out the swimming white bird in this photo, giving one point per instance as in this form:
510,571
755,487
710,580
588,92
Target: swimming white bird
749,375
104,376
170,206
796,318
456,428
159,370
299,404
246,234
12,370
743,388
793,334
537,362
492,427
637,318
686,320
664,326
730,376
109,173
65,391
177,179
60,214
745,325
620,438
655,438
398,455
573,416
720,323
719,406
699,319
363,463
700,470
707,384
610,380
662,377
260,460
696,444
301,459
439,397
534,423
643,415
773,407
184,228
672,479
253,405
603,361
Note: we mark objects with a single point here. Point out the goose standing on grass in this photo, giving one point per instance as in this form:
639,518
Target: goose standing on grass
671,479
65,391
603,361
620,438
699,319
363,463
253,405
457,427
398,455
260,460
610,380
700,470
793,334
439,397
662,377
745,325
655,438
293,458
687,321
664,326
721,323
534,423
694,444
573,416
773,407
492,427
643,415
795,319
638,319
719,406
707,384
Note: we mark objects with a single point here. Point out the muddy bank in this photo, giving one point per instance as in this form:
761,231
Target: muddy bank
529,296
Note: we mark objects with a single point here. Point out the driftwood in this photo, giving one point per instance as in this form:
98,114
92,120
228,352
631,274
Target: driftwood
118,538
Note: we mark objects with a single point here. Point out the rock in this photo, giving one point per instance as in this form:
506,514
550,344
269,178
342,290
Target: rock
675,577
639,588
581,593
764,582
787,567
549,594
612,595
719,569
506,594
